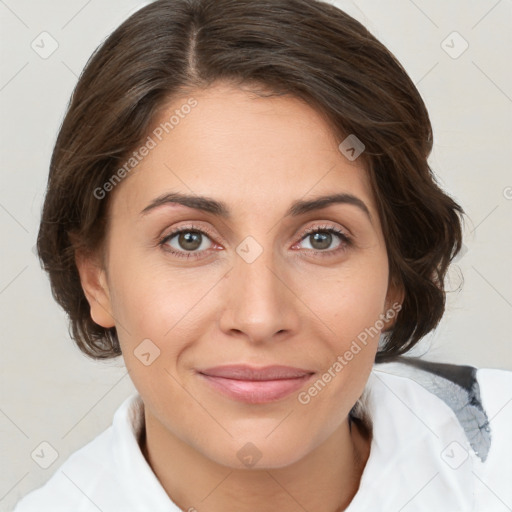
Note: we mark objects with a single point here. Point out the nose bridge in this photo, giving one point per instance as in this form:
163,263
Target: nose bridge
258,302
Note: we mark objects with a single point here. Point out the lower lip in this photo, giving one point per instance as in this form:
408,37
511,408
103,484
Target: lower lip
256,391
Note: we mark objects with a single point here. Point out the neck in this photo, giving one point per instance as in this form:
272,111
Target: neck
326,480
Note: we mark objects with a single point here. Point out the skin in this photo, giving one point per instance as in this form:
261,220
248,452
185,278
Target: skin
299,303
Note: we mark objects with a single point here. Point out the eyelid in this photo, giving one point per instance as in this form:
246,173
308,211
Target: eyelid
326,227
186,227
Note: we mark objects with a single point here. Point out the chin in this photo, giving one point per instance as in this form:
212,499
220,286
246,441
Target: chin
255,455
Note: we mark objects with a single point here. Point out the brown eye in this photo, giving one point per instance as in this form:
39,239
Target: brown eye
189,240
322,238
186,242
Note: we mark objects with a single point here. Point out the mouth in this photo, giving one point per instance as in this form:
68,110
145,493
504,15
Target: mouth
255,385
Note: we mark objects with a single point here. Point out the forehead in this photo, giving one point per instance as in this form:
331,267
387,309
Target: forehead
249,151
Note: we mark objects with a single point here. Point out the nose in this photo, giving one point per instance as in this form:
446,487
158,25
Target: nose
259,301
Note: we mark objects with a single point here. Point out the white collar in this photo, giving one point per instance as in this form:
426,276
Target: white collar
143,489
420,458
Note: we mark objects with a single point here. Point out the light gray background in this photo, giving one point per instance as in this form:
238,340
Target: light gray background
52,393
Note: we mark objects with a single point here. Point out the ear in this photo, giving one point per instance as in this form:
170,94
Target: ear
95,286
394,300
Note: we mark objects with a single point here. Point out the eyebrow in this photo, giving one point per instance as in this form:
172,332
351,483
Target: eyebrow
220,209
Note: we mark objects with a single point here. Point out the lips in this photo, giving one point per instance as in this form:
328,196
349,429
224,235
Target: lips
244,372
255,385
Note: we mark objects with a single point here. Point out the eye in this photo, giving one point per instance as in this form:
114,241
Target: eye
321,238
187,242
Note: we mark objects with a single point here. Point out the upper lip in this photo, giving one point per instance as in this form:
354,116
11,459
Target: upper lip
246,372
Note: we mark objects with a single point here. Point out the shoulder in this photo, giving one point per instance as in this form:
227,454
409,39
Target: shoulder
109,473
474,395
479,401
492,479
75,480
495,384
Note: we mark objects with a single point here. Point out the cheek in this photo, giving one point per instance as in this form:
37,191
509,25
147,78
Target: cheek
154,311
156,301
152,304
352,300
349,348
146,297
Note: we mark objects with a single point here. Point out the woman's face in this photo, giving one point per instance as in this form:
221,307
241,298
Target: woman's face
251,284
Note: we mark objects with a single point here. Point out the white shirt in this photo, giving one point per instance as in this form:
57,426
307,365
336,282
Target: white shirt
420,456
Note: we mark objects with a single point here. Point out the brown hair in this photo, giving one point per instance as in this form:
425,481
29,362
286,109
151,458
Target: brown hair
305,48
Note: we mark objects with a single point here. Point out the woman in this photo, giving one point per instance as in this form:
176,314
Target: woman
240,205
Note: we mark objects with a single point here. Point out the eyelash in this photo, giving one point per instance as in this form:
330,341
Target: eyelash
346,241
